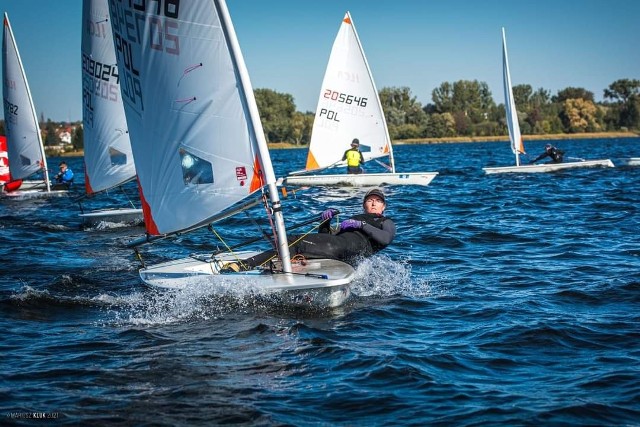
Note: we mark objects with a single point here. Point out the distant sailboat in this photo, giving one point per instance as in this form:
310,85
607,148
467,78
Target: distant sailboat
200,149
107,149
24,142
349,107
515,138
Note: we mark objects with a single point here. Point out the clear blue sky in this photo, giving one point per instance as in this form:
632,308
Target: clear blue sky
420,44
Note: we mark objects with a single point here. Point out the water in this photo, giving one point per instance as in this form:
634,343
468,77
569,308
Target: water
505,300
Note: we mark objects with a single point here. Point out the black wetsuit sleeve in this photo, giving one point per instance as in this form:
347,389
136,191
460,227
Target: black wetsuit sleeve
382,236
540,157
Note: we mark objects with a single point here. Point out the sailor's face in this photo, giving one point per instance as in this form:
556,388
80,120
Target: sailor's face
374,205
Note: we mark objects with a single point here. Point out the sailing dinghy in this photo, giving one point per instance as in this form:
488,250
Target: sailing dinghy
515,138
108,156
25,150
200,150
349,107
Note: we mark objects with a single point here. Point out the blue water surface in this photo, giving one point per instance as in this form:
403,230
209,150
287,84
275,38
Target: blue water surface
504,300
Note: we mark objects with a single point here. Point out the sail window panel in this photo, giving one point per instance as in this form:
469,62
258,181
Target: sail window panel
195,170
118,158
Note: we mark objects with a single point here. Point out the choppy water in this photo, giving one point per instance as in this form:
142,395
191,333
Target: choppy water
505,300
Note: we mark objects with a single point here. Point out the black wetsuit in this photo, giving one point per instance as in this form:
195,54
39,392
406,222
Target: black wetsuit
555,154
377,232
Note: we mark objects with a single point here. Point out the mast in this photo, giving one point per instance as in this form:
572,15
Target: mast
263,149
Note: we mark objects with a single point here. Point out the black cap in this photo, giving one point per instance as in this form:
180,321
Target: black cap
355,141
375,192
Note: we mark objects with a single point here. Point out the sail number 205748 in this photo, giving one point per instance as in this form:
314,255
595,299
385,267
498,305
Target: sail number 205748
344,98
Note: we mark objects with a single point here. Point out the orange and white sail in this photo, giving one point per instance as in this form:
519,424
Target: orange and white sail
348,106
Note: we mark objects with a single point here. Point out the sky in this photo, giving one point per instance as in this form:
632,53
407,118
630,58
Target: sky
419,44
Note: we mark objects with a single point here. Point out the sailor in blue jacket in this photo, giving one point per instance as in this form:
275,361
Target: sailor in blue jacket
65,176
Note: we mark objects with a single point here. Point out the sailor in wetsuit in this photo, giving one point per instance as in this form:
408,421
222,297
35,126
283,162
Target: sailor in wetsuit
359,236
550,151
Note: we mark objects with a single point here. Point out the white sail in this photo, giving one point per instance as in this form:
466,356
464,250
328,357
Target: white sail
517,145
348,106
107,149
199,145
515,138
24,141
194,141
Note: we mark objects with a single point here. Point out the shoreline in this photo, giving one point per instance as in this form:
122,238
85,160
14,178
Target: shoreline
461,139
501,138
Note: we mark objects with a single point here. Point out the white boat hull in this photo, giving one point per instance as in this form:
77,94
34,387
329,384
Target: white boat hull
33,194
320,283
119,216
550,167
362,180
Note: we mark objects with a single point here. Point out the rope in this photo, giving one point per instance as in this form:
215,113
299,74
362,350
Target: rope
139,257
230,250
264,233
269,215
227,246
297,256
127,196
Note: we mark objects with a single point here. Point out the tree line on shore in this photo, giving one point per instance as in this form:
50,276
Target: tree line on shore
459,109
467,109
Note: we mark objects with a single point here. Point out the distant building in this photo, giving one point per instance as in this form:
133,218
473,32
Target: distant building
65,136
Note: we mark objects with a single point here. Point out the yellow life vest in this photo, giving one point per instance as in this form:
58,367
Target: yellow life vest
353,158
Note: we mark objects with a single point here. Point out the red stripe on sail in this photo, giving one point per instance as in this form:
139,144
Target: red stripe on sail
257,180
149,223
87,184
